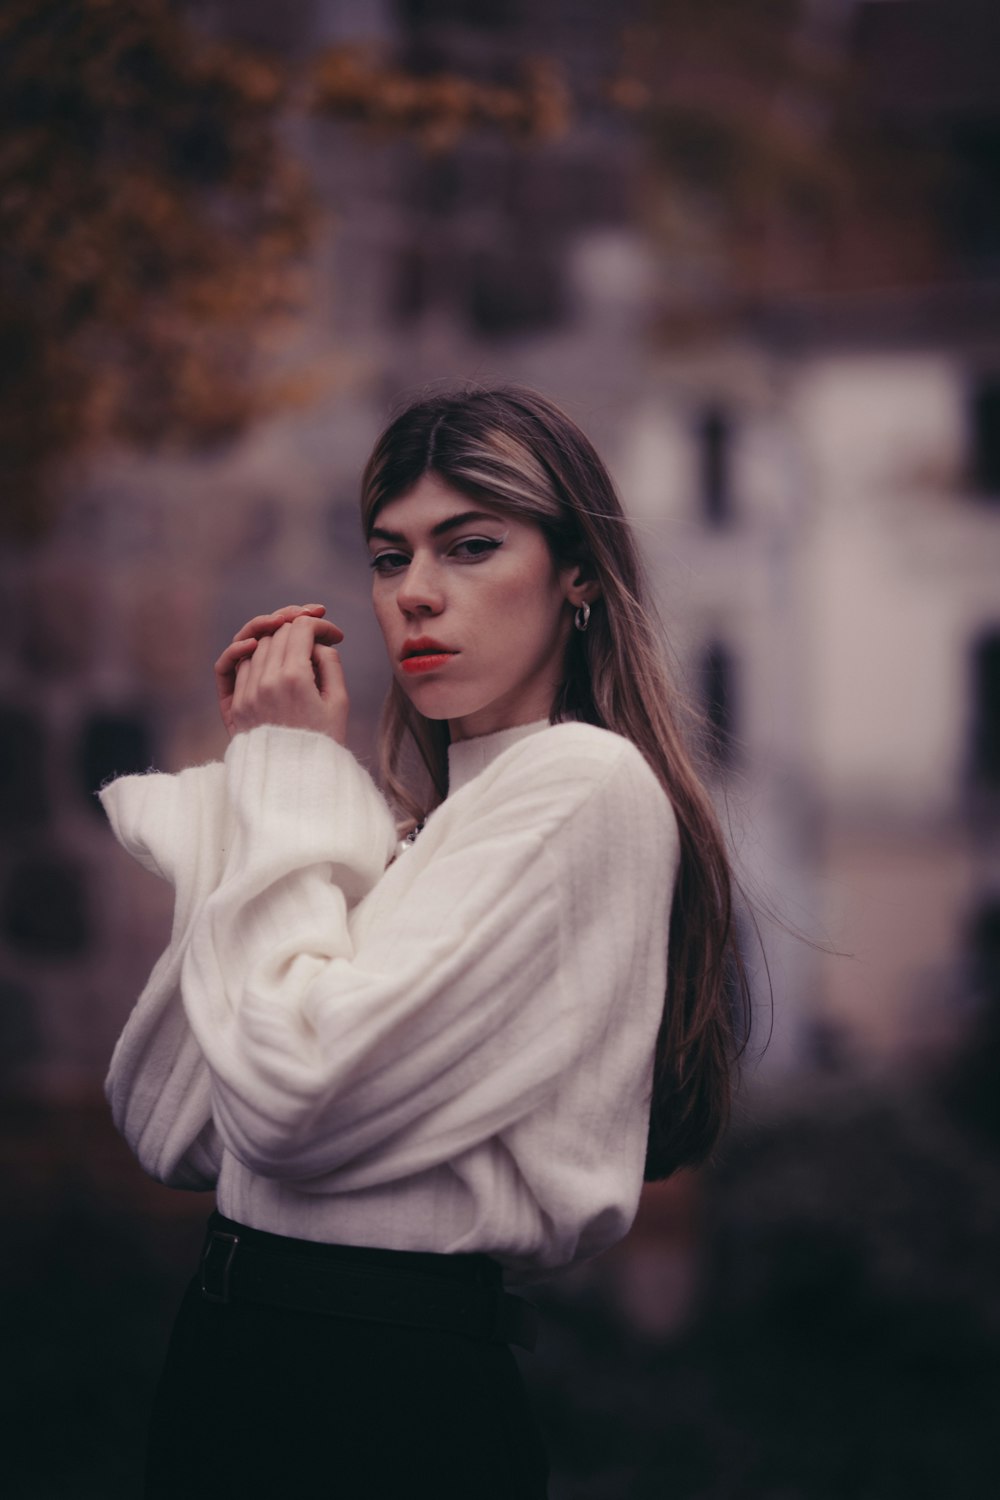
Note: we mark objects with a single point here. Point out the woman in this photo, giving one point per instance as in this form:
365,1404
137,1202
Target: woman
410,1069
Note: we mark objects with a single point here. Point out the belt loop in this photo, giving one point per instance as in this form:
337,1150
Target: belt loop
412,1289
214,1271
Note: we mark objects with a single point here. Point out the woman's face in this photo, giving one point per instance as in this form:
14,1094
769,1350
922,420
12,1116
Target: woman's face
474,611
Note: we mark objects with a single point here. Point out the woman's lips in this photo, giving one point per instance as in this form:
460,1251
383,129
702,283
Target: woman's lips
426,661
422,653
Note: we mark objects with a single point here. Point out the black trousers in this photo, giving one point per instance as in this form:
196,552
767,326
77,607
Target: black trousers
259,1401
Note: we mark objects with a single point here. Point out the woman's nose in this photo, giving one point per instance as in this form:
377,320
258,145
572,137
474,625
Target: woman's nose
420,591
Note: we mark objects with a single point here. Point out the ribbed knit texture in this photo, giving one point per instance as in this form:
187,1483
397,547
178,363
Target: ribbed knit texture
447,1050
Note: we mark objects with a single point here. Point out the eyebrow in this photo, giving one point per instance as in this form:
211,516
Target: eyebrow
384,535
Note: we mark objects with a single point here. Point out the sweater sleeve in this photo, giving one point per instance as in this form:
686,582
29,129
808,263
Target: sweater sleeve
158,1085
179,827
447,1015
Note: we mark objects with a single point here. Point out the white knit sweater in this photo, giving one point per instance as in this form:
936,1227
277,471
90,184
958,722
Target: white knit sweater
450,1050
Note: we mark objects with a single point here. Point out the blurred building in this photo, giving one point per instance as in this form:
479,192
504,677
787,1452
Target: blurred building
495,260
816,493
832,558
831,481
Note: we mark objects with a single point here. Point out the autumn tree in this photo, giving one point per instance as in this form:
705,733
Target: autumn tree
149,224
155,227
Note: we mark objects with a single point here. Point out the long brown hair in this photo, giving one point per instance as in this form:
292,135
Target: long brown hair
515,450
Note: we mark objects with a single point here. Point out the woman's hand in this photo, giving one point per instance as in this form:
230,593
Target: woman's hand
281,668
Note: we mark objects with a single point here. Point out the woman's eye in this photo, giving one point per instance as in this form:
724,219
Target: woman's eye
387,562
474,547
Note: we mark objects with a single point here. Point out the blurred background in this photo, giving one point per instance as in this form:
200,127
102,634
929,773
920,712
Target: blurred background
753,248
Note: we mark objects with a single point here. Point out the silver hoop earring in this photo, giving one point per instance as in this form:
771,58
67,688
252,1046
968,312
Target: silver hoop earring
582,617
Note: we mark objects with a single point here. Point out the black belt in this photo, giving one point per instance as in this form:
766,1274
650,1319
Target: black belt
455,1294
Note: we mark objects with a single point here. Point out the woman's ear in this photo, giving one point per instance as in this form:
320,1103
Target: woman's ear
579,584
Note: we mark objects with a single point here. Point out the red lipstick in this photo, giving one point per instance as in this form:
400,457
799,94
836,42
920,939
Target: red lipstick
423,654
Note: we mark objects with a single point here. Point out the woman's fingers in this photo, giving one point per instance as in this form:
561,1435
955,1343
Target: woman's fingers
293,679
324,630
291,657
267,624
234,653
310,632
245,685
329,670
226,676
332,691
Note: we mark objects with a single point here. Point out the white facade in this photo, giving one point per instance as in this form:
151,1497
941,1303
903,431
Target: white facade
856,571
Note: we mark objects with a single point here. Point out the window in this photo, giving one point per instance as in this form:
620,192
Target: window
983,951
112,744
714,435
24,801
484,14
514,292
985,725
985,436
408,295
718,674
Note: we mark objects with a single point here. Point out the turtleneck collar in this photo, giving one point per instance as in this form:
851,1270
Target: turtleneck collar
466,758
